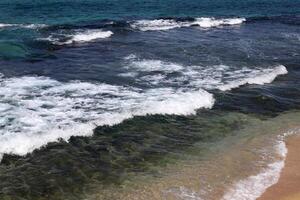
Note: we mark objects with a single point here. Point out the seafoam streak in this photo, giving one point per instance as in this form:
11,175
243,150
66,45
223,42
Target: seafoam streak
254,186
258,77
79,36
88,36
221,77
166,24
29,26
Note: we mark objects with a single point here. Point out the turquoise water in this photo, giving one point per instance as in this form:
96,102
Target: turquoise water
67,11
72,12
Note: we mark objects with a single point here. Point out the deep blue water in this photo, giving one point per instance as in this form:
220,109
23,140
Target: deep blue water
69,67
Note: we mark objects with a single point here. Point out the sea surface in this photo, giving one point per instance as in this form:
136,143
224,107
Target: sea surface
146,99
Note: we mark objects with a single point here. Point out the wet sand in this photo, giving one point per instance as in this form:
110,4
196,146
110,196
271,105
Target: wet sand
288,186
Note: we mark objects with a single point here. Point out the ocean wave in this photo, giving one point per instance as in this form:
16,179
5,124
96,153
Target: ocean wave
166,24
157,24
77,37
89,35
5,25
212,22
258,77
160,23
254,186
29,26
33,26
49,109
39,110
221,77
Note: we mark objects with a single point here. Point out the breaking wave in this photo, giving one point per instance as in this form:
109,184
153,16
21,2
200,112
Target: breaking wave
166,24
29,26
78,37
89,35
38,110
221,77
258,77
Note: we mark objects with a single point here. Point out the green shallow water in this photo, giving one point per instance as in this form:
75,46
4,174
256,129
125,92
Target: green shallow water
208,170
143,154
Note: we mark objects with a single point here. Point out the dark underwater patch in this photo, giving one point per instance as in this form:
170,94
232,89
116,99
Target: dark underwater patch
64,170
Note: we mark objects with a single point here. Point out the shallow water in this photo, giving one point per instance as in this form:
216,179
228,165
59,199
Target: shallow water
178,99
238,167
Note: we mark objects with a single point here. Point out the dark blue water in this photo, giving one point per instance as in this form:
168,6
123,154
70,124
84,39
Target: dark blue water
172,69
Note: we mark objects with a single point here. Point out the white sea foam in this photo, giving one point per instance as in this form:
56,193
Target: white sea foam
29,26
153,65
78,37
254,186
222,77
257,76
38,110
206,22
156,25
128,74
33,26
5,25
166,24
89,35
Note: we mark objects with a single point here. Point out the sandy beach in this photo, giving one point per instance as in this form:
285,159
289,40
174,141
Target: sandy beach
288,186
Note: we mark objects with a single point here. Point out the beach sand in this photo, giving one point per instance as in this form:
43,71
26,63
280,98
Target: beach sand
288,186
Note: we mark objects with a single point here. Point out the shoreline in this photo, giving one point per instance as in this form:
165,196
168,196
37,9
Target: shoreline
287,188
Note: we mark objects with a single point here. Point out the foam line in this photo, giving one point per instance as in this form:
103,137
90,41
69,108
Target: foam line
29,26
167,24
253,187
258,77
221,77
88,36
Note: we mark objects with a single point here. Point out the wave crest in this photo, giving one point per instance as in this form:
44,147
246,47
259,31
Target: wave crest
78,37
221,77
258,77
29,26
89,35
38,110
166,24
